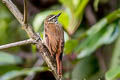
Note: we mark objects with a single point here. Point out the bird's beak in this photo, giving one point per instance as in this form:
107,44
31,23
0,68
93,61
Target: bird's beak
58,14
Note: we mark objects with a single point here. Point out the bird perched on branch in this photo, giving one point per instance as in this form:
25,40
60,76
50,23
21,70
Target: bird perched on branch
54,39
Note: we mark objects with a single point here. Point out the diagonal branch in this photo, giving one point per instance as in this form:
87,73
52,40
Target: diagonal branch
29,41
31,33
20,18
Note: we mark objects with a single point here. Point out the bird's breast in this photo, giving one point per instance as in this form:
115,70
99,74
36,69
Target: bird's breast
53,28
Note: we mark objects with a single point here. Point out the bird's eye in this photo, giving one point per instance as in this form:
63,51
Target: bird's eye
51,18
54,20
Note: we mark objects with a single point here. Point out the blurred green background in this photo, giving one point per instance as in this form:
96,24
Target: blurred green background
92,40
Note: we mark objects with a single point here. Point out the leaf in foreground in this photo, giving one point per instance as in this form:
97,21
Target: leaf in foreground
6,59
113,74
16,73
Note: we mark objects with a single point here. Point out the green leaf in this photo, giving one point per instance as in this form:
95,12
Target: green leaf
113,74
5,19
115,60
6,59
70,45
76,3
103,22
97,27
16,73
101,33
96,2
7,68
105,36
85,68
114,70
4,12
79,11
64,20
75,10
68,4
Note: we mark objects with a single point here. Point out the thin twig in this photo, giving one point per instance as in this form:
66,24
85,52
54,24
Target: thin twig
29,41
31,33
101,61
25,11
90,16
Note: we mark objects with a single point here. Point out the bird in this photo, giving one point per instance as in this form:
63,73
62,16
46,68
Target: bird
53,38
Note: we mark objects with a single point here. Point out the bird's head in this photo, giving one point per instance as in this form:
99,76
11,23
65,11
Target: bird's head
53,18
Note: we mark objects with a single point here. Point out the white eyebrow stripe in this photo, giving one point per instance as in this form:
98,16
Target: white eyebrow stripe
51,18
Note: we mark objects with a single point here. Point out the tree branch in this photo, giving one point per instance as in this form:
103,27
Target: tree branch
31,33
29,41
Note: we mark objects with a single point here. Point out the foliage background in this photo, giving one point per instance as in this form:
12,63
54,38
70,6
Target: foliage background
92,40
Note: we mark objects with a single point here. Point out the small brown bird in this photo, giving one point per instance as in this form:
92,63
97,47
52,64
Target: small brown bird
54,39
